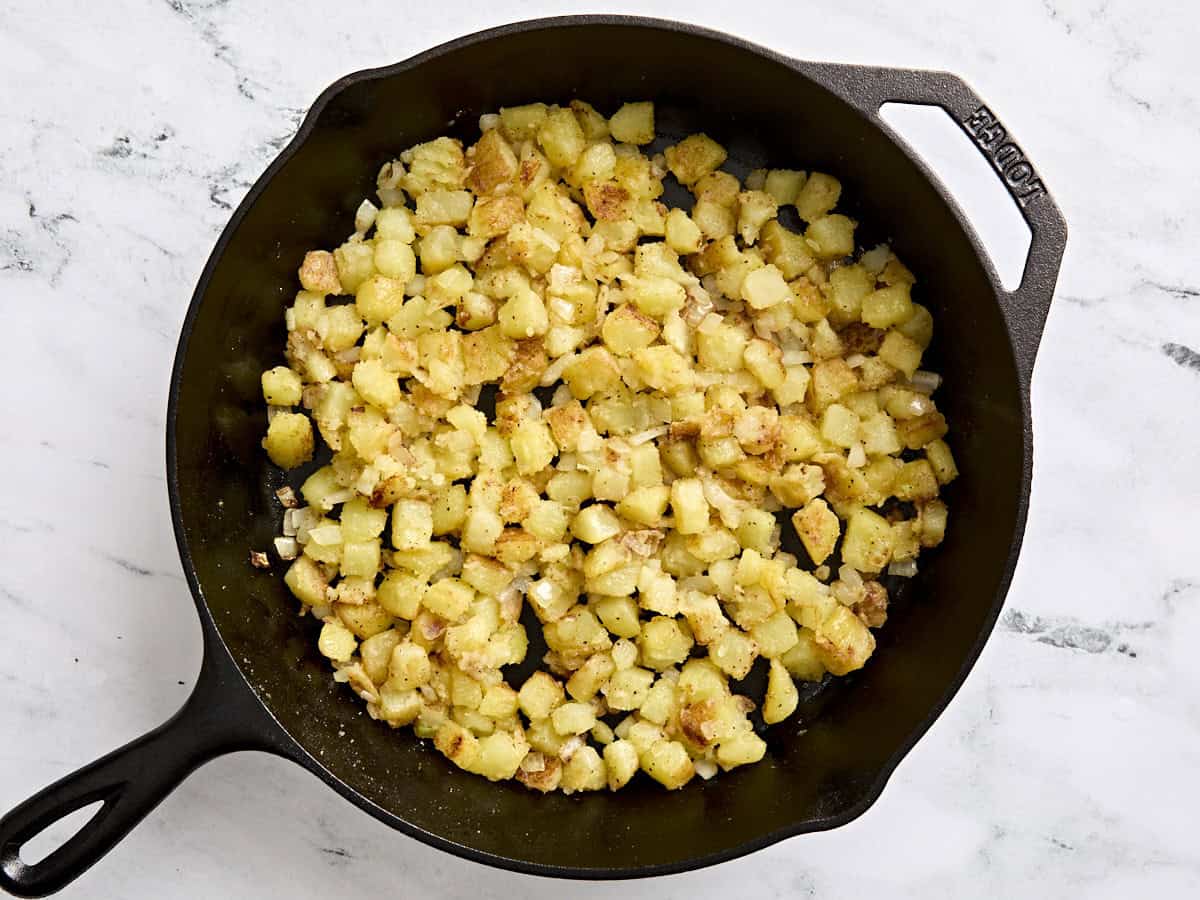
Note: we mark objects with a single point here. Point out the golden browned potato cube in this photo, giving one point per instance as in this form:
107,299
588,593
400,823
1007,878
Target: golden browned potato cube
921,430
457,744
539,695
765,287
400,594
628,688
493,163
363,619
592,372
916,481
742,749
319,273
868,542
694,157
818,529
843,642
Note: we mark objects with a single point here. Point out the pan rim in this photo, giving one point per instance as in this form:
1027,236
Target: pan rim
214,643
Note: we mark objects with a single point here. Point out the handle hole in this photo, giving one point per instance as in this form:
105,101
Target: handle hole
57,833
974,184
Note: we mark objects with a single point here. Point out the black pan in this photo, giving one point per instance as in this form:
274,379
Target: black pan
262,685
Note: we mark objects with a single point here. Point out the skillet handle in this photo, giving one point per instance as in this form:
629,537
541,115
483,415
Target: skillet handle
219,717
1025,309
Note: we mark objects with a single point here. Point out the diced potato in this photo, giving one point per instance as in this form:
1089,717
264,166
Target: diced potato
560,137
765,287
784,185
782,697
628,688
664,643
539,695
573,718
281,386
887,306
818,529
449,598
942,461
843,642
633,123
733,652
621,763
694,157
900,352
412,524
689,506
819,194
336,642
831,236
627,329
668,763
289,441
584,771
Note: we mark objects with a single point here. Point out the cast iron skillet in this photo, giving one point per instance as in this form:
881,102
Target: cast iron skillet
263,687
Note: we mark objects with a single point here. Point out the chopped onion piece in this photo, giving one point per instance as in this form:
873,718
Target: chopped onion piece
287,497
349,355
273,411
569,747
850,576
649,434
904,568
705,768
926,382
489,121
555,370
797,357
857,457
329,535
259,560
287,547
564,309
855,360
337,497
364,217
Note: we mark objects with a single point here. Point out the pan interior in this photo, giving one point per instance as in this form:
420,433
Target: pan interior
817,772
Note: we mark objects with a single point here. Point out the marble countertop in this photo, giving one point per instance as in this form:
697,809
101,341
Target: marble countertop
1070,761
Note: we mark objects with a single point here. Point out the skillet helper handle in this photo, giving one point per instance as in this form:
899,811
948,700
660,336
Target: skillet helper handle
1026,307
128,783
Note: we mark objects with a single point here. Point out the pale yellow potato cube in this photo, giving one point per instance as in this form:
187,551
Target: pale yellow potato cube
573,718
818,195
633,123
733,652
306,581
523,315
831,236
628,688
775,635
281,386
289,441
765,287
668,763
400,593
621,763
539,695
782,698
337,642
784,185
584,771
689,506
533,446
412,524
627,329
664,642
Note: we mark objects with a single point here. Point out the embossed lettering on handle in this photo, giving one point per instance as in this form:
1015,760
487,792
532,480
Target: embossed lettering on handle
1005,155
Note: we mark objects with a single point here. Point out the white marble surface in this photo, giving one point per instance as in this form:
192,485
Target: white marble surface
1070,762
